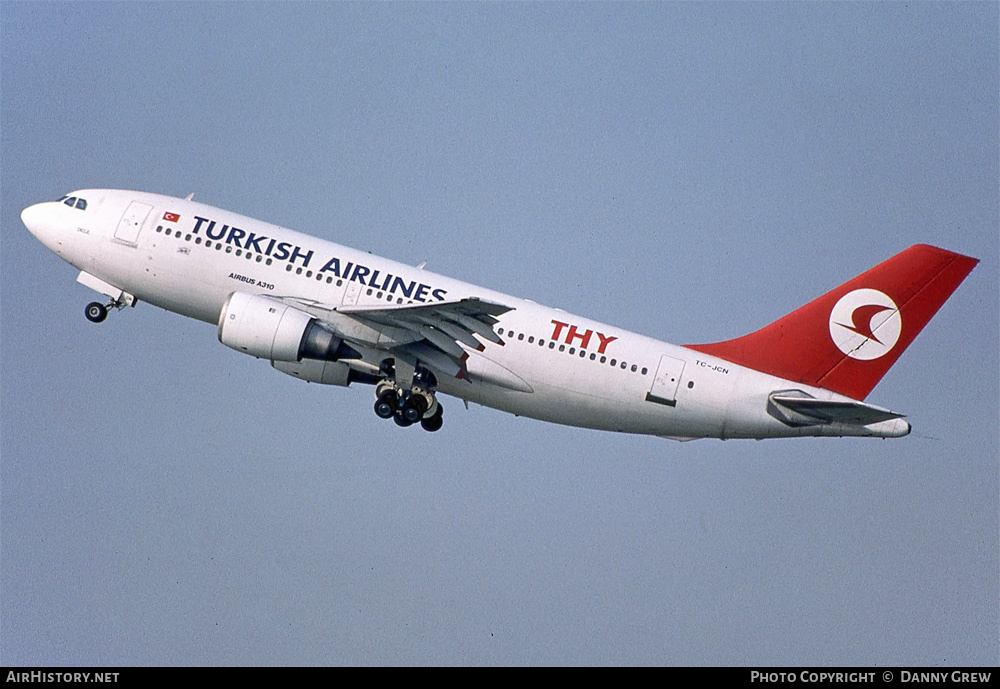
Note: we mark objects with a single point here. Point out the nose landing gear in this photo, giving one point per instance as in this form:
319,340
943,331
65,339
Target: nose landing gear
96,312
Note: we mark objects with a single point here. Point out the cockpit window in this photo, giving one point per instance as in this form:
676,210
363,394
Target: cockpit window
74,202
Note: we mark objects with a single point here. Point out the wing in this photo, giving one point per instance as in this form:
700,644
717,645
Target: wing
432,334
439,330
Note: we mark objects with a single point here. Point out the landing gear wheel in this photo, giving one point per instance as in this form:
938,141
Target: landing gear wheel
385,405
413,409
96,312
433,423
401,421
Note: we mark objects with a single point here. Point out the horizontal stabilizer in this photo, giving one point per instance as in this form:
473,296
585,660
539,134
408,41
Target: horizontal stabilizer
797,408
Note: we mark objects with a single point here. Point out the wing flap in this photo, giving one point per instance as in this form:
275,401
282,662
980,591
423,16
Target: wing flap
455,332
432,357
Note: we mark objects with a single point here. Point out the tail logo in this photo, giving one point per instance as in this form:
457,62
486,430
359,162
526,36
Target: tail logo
865,324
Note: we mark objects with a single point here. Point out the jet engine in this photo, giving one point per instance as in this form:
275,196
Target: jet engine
269,329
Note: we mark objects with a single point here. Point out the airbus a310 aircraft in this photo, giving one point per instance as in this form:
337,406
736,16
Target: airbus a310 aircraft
329,314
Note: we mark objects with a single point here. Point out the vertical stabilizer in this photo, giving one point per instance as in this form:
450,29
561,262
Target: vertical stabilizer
847,339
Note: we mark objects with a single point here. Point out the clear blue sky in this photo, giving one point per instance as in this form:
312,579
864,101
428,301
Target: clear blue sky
688,171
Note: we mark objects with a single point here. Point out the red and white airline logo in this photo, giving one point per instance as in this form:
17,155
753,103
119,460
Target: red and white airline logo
171,217
865,324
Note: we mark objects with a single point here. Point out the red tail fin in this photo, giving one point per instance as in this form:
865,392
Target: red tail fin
847,339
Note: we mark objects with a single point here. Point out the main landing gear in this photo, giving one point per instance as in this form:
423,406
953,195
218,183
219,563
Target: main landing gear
407,407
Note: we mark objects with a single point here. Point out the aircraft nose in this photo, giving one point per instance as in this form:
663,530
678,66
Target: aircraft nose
41,221
33,218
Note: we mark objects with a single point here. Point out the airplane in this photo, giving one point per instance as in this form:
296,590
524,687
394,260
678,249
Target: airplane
328,314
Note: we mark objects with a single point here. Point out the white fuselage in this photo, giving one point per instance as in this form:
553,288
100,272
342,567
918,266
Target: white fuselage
553,365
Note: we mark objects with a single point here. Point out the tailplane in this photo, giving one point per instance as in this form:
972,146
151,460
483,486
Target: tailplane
847,339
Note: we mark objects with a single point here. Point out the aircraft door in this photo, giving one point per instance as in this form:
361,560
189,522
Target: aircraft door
352,292
665,382
130,224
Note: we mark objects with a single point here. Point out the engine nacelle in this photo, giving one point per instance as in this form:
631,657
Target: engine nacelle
269,329
315,371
